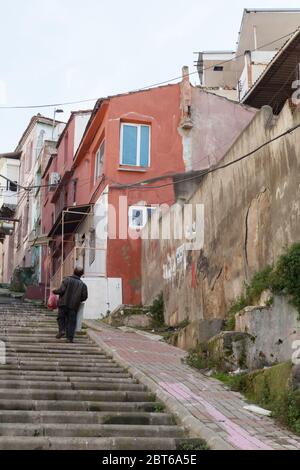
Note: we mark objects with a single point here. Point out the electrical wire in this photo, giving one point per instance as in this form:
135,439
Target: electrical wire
139,185
69,103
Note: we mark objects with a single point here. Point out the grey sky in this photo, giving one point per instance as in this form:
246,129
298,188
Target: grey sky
67,50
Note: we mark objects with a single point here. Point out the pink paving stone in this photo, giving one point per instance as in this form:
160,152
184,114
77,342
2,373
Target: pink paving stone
207,399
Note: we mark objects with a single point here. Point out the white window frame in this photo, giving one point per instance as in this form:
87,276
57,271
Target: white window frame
97,165
138,157
145,210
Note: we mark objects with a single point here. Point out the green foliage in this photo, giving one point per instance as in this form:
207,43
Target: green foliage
157,310
287,410
198,358
152,397
270,389
237,383
260,282
183,324
159,408
236,307
282,279
193,444
293,410
286,275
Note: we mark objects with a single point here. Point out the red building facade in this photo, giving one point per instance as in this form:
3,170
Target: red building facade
129,138
95,213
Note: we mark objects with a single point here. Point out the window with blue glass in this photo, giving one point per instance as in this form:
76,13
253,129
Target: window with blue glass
135,145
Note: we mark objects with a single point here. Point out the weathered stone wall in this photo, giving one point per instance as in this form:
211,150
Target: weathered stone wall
263,337
275,330
252,211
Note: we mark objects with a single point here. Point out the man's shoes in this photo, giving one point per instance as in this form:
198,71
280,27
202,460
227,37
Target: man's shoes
60,335
70,340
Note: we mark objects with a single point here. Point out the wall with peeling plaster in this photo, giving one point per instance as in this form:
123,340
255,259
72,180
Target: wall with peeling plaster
252,211
216,124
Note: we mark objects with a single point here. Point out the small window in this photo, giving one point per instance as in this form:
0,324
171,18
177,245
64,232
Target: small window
74,191
20,231
135,145
99,161
66,197
139,216
92,247
12,186
218,68
47,186
25,221
28,156
66,148
40,143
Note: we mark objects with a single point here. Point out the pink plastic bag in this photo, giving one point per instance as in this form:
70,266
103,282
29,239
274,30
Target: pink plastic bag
52,302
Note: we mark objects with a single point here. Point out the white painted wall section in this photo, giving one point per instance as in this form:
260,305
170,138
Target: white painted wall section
81,121
104,294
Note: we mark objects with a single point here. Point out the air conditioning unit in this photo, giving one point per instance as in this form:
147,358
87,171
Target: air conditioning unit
53,181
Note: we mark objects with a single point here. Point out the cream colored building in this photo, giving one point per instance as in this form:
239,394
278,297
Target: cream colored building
263,33
9,168
39,130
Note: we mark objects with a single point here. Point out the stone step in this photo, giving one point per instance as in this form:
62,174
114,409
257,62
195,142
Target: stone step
38,339
52,374
49,333
30,322
18,330
77,443
21,334
63,368
13,310
89,430
63,378
85,395
27,320
57,395
84,417
20,322
81,386
81,360
57,348
34,331
56,356
84,405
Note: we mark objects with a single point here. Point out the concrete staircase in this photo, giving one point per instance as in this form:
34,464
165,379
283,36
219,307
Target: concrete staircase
55,395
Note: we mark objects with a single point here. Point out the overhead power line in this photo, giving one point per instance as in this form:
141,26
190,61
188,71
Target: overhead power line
69,103
140,184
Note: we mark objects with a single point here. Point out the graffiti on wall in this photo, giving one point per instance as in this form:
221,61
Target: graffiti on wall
176,263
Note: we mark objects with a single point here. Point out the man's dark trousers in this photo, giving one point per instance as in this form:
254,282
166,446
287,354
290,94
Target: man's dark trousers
66,320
